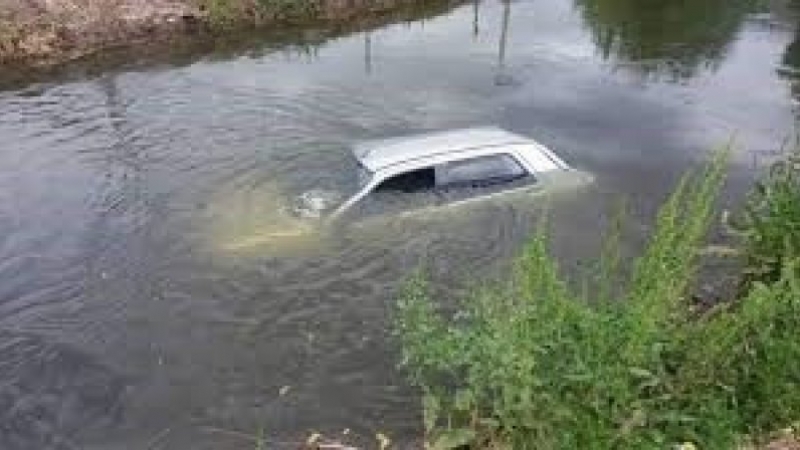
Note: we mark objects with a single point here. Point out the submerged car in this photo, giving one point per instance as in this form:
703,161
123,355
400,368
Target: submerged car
400,176
442,169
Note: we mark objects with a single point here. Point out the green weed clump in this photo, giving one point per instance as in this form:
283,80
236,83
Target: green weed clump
528,364
770,223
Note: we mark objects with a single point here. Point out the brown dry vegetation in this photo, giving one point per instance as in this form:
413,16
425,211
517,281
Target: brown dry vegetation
43,30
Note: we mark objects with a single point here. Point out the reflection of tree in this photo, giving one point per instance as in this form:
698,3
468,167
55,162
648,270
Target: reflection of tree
476,15
502,76
791,59
671,37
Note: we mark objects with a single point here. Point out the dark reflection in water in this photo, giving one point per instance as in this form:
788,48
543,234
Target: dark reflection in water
791,58
790,68
675,38
502,77
125,186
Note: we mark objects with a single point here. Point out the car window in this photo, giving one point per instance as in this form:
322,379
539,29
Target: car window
478,177
415,181
483,169
400,193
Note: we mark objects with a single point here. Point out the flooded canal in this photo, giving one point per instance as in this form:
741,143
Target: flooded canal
140,307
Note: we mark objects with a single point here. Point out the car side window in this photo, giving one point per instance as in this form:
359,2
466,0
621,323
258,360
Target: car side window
483,170
400,193
415,181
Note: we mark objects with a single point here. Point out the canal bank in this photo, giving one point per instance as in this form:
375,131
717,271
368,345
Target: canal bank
121,186
45,33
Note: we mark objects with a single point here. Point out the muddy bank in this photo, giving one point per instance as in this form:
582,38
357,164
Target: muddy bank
45,33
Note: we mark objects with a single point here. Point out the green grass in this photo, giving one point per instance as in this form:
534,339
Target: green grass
528,364
770,223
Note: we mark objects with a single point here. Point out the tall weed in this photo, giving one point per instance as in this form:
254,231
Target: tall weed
528,364
770,224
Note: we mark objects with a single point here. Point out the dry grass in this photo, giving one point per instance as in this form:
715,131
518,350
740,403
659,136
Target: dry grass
783,444
43,32
41,29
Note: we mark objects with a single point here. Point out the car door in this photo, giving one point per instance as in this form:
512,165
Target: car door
481,176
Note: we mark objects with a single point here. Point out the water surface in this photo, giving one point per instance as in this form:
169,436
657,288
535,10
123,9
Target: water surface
126,320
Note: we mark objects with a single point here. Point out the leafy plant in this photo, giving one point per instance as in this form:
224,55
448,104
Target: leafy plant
527,364
770,223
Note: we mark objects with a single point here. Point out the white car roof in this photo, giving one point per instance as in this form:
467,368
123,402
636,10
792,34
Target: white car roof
379,154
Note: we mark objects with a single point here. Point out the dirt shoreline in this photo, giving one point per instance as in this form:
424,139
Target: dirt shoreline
47,33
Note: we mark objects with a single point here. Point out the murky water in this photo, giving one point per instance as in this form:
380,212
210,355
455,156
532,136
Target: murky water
140,306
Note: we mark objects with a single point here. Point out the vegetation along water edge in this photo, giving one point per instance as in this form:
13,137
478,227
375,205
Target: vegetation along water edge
48,32
530,363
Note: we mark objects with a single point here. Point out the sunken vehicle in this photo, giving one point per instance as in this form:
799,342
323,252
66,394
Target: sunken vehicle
442,169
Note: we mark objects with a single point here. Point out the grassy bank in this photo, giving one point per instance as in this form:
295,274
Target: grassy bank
529,364
48,32
45,32
223,14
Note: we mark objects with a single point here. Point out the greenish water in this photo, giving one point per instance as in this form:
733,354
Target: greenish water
141,306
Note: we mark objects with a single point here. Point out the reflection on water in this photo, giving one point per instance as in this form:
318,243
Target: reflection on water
368,53
675,38
790,68
502,77
156,252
